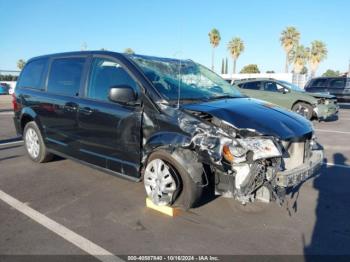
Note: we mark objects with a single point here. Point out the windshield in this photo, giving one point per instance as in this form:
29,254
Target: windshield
292,86
186,79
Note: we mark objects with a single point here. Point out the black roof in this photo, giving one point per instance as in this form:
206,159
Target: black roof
77,53
255,79
330,77
111,53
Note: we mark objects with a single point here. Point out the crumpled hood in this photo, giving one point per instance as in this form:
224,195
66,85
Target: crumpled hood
261,116
317,95
321,95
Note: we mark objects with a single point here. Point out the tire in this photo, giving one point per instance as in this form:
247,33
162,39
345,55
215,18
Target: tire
303,109
187,193
34,144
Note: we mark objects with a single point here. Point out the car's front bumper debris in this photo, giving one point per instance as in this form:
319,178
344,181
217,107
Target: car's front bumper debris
294,176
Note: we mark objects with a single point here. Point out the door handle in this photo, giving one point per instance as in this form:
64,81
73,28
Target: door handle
86,110
71,107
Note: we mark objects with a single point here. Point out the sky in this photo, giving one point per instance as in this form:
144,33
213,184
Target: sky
176,28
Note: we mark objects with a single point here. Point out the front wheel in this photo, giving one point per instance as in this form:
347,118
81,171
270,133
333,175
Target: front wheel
303,109
167,183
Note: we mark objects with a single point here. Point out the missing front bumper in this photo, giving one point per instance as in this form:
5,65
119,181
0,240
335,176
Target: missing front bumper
296,175
326,112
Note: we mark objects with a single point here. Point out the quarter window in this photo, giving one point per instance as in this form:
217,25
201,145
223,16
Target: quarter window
337,83
106,74
65,76
32,75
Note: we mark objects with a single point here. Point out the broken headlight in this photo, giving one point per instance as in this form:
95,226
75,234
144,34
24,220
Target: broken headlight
323,101
261,148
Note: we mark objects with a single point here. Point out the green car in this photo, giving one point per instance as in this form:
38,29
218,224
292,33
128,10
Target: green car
310,105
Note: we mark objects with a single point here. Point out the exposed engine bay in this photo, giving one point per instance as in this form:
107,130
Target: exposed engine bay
246,164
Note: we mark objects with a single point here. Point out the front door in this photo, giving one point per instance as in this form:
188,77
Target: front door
110,133
336,87
274,93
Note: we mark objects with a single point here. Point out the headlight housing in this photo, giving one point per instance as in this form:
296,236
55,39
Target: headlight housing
261,148
323,101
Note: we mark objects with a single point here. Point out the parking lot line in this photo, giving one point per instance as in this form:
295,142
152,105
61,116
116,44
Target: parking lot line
72,237
332,131
6,113
11,143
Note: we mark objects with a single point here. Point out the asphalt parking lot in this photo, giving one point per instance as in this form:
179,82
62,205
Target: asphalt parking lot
110,212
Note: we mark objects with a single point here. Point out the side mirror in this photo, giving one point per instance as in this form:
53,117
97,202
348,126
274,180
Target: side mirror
285,90
122,94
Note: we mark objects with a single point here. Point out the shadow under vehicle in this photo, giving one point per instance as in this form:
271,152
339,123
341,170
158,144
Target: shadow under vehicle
172,123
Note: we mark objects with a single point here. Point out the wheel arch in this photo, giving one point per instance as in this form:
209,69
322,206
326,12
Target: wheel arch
314,115
28,115
175,145
301,101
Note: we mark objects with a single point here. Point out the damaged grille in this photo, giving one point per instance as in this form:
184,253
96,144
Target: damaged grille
296,153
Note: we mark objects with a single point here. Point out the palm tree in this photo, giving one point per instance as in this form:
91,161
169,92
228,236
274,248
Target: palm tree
235,47
289,40
318,53
20,64
129,51
214,39
299,57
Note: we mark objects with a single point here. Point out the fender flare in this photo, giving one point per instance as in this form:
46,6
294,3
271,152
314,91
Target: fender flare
165,139
28,112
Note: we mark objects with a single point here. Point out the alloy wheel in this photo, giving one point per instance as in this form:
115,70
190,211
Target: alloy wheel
32,143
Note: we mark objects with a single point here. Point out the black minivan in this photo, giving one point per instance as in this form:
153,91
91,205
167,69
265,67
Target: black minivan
337,86
173,124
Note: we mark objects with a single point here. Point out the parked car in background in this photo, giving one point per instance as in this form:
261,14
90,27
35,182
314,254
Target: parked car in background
4,89
172,123
287,95
11,90
337,86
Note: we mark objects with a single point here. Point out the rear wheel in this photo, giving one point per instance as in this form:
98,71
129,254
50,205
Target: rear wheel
167,183
303,109
34,143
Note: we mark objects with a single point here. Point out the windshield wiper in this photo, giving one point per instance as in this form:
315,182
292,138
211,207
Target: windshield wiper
184,100
223,97
200,99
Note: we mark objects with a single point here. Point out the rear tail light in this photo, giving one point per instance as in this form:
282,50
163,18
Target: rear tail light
14,103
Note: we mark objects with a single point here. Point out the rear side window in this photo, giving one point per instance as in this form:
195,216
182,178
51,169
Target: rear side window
65,76
33,74
337,83
319,83
106,74
252,85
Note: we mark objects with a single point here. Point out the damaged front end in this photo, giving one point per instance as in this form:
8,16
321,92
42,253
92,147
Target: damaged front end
246,164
